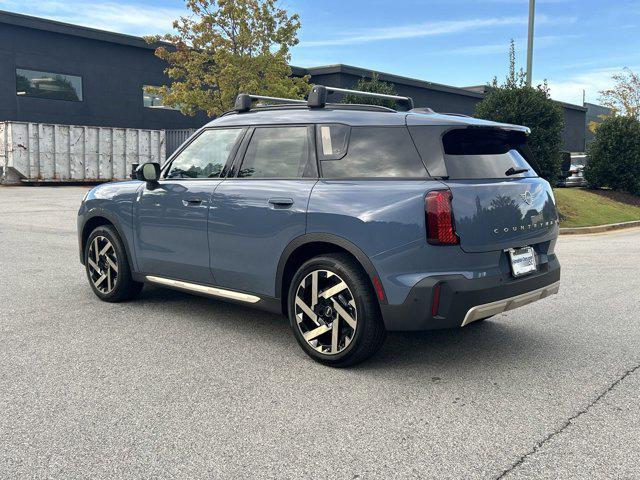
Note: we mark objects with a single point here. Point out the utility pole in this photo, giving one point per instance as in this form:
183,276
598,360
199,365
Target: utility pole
532,11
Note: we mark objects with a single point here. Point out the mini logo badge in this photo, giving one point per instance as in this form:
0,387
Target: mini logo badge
527,197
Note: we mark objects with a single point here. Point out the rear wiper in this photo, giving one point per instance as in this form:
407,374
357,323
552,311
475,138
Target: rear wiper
515,171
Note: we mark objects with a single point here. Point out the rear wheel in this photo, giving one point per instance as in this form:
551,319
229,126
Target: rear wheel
107,266
333,312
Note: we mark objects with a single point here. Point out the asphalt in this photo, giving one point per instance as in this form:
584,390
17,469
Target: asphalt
175,386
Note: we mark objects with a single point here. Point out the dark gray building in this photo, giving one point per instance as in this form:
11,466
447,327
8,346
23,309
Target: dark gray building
54,72
595,113
59,73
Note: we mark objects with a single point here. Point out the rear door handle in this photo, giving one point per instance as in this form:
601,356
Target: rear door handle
192,202
281,202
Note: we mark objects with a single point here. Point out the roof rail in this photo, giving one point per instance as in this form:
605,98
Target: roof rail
317,98
422,110
455,114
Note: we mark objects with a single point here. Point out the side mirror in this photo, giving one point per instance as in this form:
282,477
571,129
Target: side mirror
148,172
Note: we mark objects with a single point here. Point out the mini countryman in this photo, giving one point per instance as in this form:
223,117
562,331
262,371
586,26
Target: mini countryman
351,220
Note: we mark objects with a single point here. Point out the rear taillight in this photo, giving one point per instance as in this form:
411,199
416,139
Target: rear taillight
439,216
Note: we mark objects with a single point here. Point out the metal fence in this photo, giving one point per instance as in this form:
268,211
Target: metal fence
175,138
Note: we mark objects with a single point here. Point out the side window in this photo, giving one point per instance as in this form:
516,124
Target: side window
206,156
377,152
276,152
332,141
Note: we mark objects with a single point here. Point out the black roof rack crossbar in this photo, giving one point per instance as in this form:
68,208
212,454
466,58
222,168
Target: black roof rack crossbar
317,98
244,101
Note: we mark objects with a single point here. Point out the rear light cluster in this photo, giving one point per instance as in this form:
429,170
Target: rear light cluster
439,216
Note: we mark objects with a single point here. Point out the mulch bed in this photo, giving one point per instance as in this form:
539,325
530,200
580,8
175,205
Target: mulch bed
619,196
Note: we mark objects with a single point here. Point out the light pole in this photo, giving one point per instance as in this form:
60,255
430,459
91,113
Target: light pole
532,11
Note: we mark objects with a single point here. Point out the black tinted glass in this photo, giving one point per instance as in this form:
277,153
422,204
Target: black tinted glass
206,156
276,152
377,152
471,153
54,86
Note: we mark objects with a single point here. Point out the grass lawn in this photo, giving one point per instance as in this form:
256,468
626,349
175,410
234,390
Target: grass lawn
582,208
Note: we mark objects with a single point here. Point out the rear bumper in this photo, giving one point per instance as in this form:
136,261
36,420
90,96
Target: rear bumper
574,181
463,301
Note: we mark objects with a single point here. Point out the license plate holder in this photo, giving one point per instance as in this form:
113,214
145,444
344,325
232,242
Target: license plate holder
522,260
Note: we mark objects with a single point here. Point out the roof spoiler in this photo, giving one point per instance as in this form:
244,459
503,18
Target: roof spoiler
317,98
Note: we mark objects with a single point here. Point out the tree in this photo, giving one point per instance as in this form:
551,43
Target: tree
624,97
227,47
372,86
614,155
515,102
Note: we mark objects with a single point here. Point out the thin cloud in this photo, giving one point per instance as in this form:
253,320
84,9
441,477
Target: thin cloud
122,17
430,29
569,89
541,41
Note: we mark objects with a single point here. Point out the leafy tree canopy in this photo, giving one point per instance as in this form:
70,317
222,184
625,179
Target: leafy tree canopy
514,101
624,97
372,86
227,47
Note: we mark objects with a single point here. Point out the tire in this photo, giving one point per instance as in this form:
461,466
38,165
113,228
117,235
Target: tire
350,302
108,272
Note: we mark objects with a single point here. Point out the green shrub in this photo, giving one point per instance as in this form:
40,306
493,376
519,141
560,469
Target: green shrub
614,155
515,102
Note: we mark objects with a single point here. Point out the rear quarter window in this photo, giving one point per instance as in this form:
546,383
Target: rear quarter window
367,152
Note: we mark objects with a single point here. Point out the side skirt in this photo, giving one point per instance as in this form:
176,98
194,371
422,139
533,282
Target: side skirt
269,304
197,288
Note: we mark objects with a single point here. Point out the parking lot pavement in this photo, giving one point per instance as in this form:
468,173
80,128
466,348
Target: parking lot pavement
176,386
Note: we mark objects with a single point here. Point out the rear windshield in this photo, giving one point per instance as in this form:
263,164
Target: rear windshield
483,153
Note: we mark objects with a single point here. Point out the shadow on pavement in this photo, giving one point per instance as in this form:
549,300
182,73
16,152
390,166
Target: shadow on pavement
501,342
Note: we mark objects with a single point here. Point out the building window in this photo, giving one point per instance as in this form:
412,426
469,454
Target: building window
54,86
153,100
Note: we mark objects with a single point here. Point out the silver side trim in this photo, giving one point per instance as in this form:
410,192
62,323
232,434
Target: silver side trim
195,287
486,310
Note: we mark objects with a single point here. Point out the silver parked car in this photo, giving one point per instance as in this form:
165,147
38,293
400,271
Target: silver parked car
573,170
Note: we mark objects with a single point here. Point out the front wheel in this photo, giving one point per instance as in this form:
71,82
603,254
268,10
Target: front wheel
333,311
107,266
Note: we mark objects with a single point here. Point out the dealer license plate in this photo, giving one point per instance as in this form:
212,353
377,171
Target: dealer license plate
523,261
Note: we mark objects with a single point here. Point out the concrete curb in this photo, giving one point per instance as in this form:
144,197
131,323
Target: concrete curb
600,228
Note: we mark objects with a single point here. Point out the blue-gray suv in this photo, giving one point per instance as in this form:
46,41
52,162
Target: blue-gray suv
351,220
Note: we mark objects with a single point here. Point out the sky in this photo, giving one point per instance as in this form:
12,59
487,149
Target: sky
578,44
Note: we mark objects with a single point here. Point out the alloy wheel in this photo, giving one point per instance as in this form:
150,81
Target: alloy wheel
326,312
102,264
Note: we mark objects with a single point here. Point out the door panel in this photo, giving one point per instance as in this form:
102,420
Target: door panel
171,229
250,224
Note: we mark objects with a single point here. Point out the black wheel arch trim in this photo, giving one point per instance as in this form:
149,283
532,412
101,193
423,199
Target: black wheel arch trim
111,218
341,242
